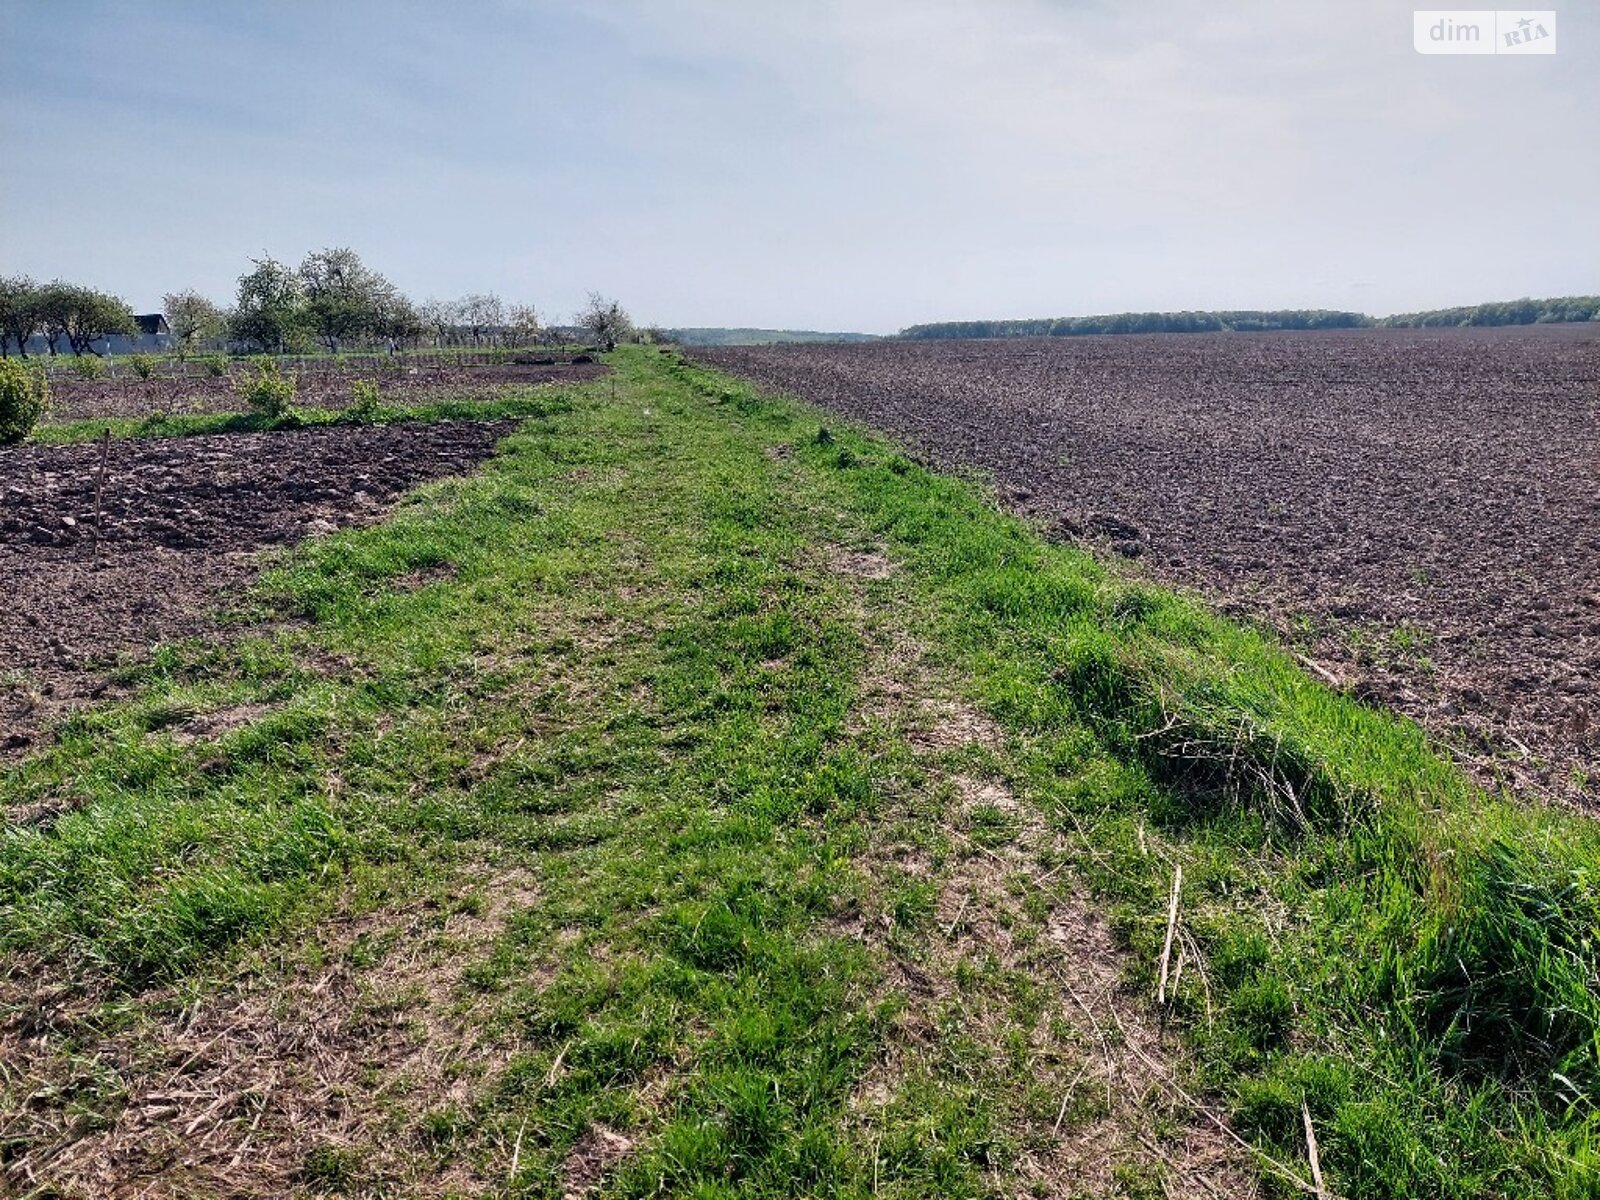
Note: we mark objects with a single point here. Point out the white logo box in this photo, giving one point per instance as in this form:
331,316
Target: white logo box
1483,31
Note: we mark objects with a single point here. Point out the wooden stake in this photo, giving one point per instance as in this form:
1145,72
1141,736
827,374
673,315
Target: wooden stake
1311,1152
1172,925
100,489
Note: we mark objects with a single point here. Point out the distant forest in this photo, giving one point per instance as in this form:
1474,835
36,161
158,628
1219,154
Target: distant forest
717,336
1506,312
1562,309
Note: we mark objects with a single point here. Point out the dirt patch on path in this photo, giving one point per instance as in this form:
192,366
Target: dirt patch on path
181,519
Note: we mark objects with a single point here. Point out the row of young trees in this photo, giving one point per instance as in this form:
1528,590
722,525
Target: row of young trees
67,315
332,299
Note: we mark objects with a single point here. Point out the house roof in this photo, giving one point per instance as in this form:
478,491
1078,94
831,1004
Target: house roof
152,323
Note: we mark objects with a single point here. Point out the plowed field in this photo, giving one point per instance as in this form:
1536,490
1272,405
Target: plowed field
179,520
1416,512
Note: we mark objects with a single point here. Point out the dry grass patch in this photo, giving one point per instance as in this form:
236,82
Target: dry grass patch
217,724
285,1080
594,1155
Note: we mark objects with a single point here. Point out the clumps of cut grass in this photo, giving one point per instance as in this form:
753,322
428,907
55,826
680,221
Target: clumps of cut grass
1211,746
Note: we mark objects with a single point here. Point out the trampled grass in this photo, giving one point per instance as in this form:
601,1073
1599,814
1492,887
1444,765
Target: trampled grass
672,655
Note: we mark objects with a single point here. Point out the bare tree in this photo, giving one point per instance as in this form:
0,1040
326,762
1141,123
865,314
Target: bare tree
483,313
522,324
606,321
192,319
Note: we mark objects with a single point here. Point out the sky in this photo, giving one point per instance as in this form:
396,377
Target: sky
821,164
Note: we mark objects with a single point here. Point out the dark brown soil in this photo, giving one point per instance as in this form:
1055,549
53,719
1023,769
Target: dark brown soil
1418,512
317,386
180,520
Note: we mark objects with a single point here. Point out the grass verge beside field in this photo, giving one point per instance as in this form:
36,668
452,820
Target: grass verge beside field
720,804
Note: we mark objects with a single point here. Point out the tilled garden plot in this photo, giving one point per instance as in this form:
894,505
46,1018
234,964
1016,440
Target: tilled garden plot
74,399
1418,512
179,520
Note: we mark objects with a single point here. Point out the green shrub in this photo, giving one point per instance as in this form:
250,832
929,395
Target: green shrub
144,365
88,366
216,365
267,389
24,396
365,400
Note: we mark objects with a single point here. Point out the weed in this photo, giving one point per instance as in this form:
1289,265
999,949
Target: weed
1506,977
365,402
332,1169
88,366
267,390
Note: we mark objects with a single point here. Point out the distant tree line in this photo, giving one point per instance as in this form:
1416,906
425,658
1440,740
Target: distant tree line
1145,322
1560,310
332,300
1512,312
716,335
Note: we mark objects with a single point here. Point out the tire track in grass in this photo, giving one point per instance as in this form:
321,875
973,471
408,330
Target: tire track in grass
1012,984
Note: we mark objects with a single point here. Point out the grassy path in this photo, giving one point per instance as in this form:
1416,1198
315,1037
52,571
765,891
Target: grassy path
698,803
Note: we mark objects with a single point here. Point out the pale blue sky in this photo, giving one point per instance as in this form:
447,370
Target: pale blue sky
840,164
